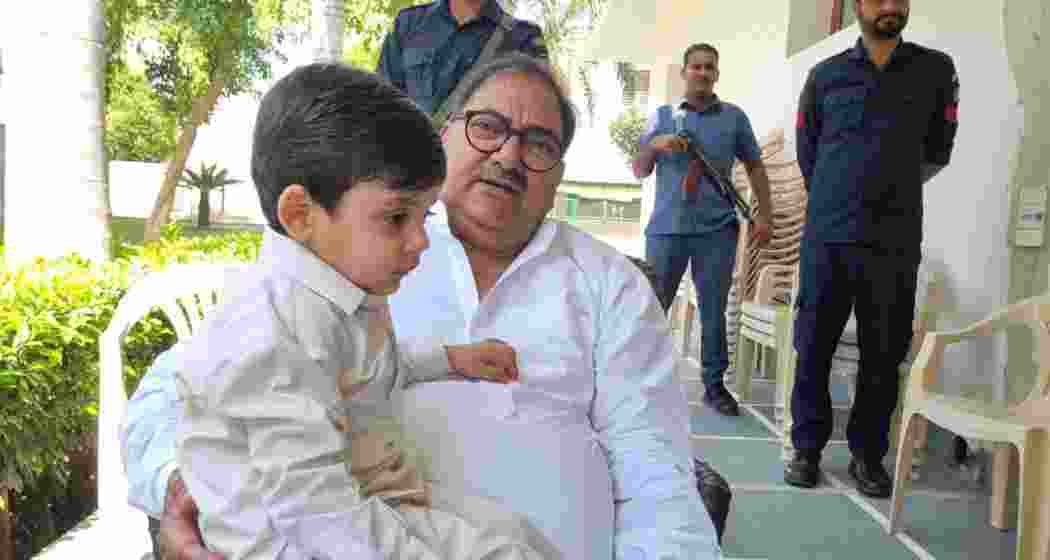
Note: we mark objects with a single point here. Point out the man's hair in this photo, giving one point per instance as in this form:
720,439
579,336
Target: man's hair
706,47
327,126
517,63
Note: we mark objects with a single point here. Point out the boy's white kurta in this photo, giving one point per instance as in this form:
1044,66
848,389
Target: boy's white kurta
592,445
257,443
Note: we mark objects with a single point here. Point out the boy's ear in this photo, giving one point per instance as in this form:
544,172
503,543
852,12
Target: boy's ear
293,212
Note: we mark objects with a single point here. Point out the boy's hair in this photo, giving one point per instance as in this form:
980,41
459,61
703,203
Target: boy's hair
699,47
326,126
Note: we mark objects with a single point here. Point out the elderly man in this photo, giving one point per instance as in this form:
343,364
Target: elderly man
592,444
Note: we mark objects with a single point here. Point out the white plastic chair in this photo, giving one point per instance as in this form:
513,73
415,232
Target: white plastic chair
186,294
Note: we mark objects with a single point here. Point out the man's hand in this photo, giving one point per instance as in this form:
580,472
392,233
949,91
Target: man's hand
760,231
179,537
667,143
491,359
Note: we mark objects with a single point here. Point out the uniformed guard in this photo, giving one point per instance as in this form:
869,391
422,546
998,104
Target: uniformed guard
434,45
874,124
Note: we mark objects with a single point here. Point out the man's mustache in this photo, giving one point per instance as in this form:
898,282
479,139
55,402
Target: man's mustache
512,178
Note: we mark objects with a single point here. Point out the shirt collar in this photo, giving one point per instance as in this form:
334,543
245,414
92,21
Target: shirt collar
541,242
285,255
902,51
714,107
489,10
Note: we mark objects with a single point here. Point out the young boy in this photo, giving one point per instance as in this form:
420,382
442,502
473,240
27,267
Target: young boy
292,377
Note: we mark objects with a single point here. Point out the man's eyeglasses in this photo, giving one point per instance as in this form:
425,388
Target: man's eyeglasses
488,131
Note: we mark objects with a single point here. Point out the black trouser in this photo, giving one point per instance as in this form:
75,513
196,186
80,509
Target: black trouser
880,285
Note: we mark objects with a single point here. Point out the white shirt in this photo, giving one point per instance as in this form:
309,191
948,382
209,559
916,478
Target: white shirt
257,444
597,416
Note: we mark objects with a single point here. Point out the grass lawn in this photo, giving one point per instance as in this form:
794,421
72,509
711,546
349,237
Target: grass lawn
131,230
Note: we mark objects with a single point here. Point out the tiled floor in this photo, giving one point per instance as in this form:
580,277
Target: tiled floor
946,516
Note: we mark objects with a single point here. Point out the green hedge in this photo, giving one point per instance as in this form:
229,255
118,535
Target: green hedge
51,316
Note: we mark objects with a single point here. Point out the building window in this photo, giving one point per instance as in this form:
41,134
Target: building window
635,87
843,14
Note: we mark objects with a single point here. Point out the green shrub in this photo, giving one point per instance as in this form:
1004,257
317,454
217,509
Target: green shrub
51,316
626,132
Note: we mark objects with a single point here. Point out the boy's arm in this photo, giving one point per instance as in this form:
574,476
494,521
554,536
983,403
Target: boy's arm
490,360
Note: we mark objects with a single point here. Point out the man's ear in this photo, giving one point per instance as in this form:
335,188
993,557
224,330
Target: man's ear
293,212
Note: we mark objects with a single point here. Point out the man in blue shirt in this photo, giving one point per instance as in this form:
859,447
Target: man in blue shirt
875,122
692,220
433,46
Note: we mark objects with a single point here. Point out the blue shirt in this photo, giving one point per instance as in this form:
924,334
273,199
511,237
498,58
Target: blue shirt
725,134
864,135
429,52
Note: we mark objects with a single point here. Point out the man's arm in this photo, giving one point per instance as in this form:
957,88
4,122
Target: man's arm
944,124
641,415
147,435
807,129
652,143
756,172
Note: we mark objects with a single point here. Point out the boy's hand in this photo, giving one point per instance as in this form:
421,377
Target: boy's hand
491,360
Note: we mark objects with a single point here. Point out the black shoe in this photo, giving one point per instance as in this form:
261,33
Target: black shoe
803,470
871,478
721,400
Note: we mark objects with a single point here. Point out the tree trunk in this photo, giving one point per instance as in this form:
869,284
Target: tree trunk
202,108
204,209
57,155
7,524
328,25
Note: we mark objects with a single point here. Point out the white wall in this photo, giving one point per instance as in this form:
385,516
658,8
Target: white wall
133,187
966,207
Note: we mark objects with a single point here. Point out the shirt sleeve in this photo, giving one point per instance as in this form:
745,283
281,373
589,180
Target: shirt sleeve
423,359
259,452
944,123
147,435
807,129
641,416
747,148
390,64
642,164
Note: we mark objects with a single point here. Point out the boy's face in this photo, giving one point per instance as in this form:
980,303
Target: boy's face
374,237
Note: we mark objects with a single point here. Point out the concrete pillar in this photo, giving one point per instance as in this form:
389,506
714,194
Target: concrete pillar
56,199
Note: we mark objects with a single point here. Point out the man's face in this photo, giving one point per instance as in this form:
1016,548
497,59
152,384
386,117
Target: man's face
494,202
700,73
884,19
375,236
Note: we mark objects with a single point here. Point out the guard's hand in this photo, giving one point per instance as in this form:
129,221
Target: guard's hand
760,231
667,143
491,360
179,538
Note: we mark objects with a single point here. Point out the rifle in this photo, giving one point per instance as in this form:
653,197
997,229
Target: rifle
721,185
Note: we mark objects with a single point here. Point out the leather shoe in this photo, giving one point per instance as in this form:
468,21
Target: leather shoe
721,400
871,478
803,470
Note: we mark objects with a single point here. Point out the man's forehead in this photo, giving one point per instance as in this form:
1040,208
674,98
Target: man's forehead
519,96
703,57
